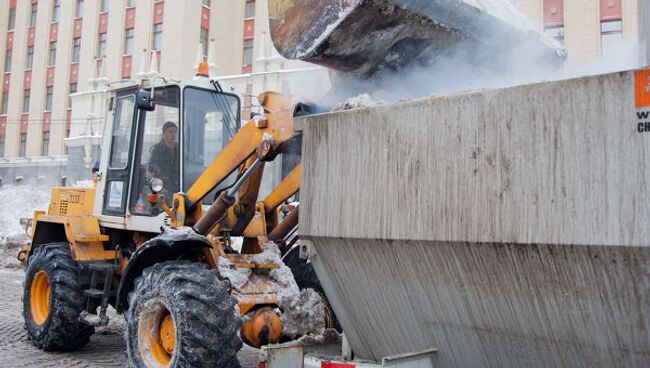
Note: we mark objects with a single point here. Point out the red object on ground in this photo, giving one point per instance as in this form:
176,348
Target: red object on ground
336,365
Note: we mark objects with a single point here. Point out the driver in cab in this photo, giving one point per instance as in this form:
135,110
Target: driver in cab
164,162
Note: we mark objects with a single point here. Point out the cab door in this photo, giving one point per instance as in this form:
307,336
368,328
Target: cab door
121,154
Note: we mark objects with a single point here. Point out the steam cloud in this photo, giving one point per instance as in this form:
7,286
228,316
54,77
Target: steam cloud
492,63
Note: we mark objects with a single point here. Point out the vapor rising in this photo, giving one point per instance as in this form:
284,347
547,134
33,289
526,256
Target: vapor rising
495,59
460,70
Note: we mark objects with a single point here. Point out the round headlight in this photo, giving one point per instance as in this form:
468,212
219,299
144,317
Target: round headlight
156,185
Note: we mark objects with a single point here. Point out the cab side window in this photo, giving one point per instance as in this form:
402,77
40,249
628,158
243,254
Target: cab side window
121,142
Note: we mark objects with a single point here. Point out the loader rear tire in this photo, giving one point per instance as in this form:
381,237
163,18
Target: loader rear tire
53,300
182,315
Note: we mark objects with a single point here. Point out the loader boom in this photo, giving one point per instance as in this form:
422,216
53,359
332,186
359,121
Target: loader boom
276,127
259,140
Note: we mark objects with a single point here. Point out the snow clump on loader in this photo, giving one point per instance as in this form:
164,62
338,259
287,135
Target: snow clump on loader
303,311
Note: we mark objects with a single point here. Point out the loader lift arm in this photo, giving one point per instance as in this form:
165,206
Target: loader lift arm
260,140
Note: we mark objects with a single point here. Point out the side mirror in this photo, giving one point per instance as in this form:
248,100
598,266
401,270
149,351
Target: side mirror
144,100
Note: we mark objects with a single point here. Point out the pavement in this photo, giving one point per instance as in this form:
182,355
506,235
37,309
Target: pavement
105,349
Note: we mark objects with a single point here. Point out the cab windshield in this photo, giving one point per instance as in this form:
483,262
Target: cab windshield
211,119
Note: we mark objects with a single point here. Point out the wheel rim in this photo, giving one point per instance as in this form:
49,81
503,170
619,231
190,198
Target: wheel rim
156,334
168,334
39,297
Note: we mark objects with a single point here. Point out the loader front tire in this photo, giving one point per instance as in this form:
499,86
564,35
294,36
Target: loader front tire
53,300
182,315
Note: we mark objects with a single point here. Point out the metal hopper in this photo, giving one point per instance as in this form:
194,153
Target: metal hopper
491,225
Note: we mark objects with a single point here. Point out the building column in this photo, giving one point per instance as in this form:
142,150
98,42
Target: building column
89,110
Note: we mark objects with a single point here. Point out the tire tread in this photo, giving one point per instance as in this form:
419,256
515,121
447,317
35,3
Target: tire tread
62,331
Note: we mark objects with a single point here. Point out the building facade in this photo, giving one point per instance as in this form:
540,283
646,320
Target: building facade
50,49
589,29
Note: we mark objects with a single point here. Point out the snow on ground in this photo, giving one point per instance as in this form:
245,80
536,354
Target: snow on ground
105,349
18,201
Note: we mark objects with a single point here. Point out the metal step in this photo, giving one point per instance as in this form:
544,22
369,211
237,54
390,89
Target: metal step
97,294
102,266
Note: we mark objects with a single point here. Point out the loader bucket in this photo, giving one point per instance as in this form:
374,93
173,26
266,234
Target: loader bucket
366,36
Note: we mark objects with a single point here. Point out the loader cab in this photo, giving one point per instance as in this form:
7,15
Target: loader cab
171,132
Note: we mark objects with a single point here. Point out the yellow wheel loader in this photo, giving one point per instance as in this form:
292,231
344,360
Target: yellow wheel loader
103,246
179,178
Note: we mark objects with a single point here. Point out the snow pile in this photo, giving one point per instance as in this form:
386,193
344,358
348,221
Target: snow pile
303,312
116,324
362,100
303,315
238,277
17,201
83,184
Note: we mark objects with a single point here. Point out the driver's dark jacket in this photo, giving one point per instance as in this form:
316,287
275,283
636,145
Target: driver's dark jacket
164,164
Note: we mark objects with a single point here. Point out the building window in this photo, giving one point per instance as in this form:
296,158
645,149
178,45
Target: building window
48,98
248,52
101,45
76,49
30,58
79,10
554,19
23,145
250,10
32,19
104,7
611,37
206,3
56,11
157,37
25,101
8,55
52,58
2,146
45,144
130,4
128,42
12,19
73,90
204,41
5,103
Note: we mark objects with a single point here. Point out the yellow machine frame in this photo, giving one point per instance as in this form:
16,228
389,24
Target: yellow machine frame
71,213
